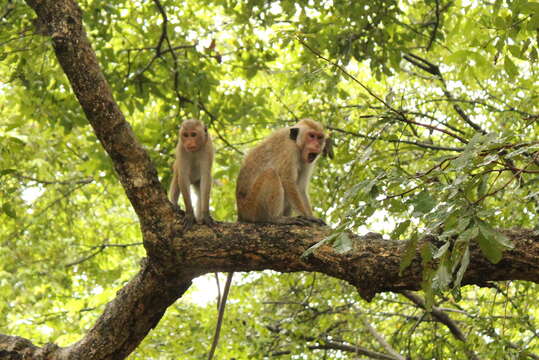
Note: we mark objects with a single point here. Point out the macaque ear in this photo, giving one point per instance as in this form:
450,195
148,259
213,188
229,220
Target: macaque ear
294,133
328,149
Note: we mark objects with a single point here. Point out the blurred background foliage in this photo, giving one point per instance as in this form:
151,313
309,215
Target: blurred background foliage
432,106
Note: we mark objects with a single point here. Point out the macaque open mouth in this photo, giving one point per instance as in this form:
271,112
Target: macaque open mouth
311,156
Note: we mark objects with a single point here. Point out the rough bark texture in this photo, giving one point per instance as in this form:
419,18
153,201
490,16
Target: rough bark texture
176,257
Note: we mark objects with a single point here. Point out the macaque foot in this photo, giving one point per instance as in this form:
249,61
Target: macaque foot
298,220
207,220
188,221
310,220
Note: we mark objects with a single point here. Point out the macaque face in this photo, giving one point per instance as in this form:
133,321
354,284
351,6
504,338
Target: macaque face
313,144
193,139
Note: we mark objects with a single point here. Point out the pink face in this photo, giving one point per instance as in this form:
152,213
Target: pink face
192,139
313,144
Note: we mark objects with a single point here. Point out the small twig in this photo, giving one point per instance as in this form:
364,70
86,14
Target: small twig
415,143
326,344
441,317
436,25
100,248
284,104
343,70
51,182
438,314
221,311
435,70
218,290
515,176
381,340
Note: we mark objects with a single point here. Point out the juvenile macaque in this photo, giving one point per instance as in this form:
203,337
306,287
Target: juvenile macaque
275,175
192,166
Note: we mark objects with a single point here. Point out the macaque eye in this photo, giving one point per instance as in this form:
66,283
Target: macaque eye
193,134
312,136
320,137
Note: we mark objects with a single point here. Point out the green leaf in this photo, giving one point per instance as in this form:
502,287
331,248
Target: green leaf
530,7
499,21
7,172
482,186
396,205
442,250
468,234
533,55
442,277
410,252
343,243
510,68
423,202
489,159
428,275
464,262
340,238
492,242
9,210
400,229
522,150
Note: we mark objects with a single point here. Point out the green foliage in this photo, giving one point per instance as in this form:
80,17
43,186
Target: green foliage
433,110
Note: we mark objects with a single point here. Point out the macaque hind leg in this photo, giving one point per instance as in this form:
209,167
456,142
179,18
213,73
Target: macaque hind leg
267,196
202,213
287,209
198,207
186,195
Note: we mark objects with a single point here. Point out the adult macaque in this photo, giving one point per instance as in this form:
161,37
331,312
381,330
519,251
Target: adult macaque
192,166
275,175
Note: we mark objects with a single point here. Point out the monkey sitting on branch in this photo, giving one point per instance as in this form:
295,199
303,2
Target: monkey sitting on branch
192,166
274,177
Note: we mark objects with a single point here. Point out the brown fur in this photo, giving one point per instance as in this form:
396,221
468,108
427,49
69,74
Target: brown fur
275,175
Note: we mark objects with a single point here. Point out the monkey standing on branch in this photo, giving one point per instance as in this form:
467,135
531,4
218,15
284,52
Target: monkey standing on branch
192,166
275,176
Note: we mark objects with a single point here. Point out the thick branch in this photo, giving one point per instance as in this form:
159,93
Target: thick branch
372,266
62,20
127,319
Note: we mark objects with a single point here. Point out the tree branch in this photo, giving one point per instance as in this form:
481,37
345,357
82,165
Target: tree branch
438,314
387,347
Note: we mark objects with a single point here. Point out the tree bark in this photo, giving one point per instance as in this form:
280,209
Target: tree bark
175,256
